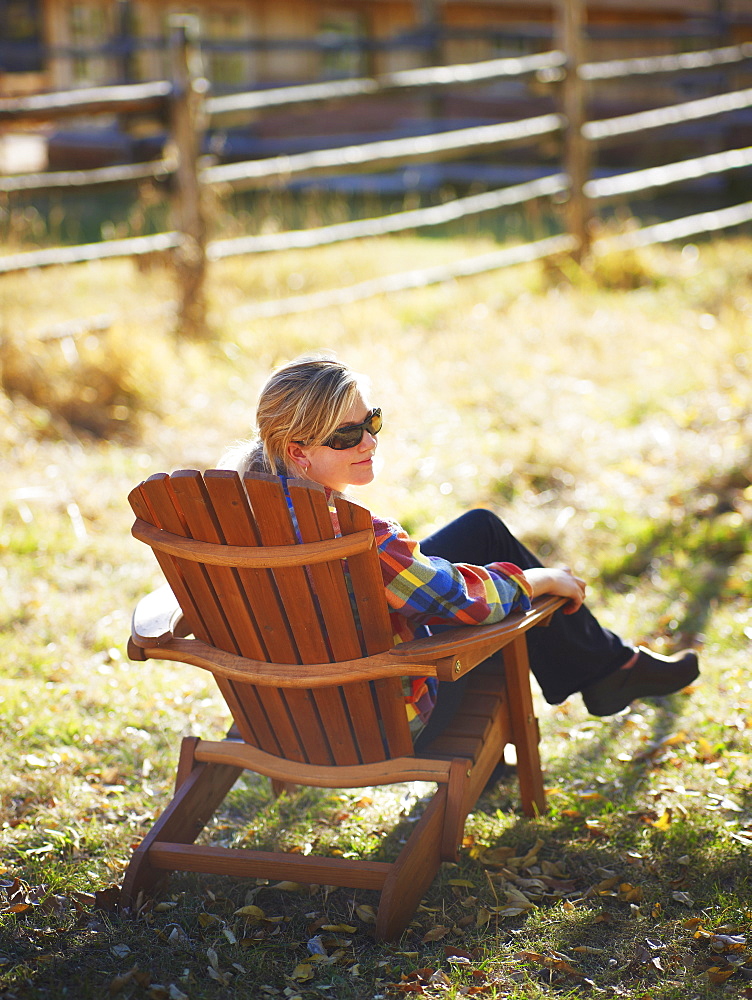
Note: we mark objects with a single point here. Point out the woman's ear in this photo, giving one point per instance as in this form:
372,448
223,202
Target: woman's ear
297,455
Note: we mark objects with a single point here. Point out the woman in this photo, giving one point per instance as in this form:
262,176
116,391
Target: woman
315,422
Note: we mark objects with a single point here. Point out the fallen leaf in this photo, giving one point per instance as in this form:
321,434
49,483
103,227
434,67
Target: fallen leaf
532,855
435,934
718,975
302,972
733,942
366,913
529,956
517,898
683,897
117,984
630,893
452,951
316,946
497,856
705,751
552,869
440,978
664,821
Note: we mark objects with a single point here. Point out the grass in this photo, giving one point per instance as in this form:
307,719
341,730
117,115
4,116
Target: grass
606,416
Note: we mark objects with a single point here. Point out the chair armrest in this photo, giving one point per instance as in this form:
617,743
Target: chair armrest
456,650
156,619
447,655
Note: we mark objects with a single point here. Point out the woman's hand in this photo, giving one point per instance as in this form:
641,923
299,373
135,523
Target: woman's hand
561,581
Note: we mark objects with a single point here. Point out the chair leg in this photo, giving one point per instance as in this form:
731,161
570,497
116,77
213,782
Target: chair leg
201,789
413,871
457,808
278,787
524,728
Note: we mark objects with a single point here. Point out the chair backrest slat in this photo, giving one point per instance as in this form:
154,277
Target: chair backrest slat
315,524
239,528
169,567
275,526
391,709
329,724
367,580
202,522
361,709
166,514
348,714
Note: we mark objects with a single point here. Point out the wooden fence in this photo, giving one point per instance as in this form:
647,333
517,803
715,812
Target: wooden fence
186,104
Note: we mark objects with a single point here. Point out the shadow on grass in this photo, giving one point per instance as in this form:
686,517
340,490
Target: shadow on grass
611,907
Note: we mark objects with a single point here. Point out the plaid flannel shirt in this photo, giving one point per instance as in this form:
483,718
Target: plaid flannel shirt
427,593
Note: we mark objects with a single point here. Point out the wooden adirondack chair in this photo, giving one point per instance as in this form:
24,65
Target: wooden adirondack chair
295,628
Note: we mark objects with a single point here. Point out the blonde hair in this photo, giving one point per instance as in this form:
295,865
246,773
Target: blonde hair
304,401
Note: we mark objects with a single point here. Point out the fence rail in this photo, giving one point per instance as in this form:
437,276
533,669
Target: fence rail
728,55
120,99
404,80
185,104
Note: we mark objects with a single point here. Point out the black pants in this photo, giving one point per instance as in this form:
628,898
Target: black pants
565,656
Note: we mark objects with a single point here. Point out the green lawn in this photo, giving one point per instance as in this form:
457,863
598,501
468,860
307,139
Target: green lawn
606,416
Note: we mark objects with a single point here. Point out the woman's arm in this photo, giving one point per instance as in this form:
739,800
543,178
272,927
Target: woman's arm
429,590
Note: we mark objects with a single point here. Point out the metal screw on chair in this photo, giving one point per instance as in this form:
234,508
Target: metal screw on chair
457,666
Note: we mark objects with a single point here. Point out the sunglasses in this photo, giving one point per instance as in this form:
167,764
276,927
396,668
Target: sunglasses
352,434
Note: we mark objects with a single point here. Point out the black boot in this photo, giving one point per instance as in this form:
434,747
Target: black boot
651,676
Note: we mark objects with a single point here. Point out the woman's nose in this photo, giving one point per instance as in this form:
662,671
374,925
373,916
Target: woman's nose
368,441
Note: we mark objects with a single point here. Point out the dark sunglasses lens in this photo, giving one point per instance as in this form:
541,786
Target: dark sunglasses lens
348,437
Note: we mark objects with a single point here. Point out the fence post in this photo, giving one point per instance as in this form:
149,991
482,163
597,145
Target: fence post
186,126
429,25
571,26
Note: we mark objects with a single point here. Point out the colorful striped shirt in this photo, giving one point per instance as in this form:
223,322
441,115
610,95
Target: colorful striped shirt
427,594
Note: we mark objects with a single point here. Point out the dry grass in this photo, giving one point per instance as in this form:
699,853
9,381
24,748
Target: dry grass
606,417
